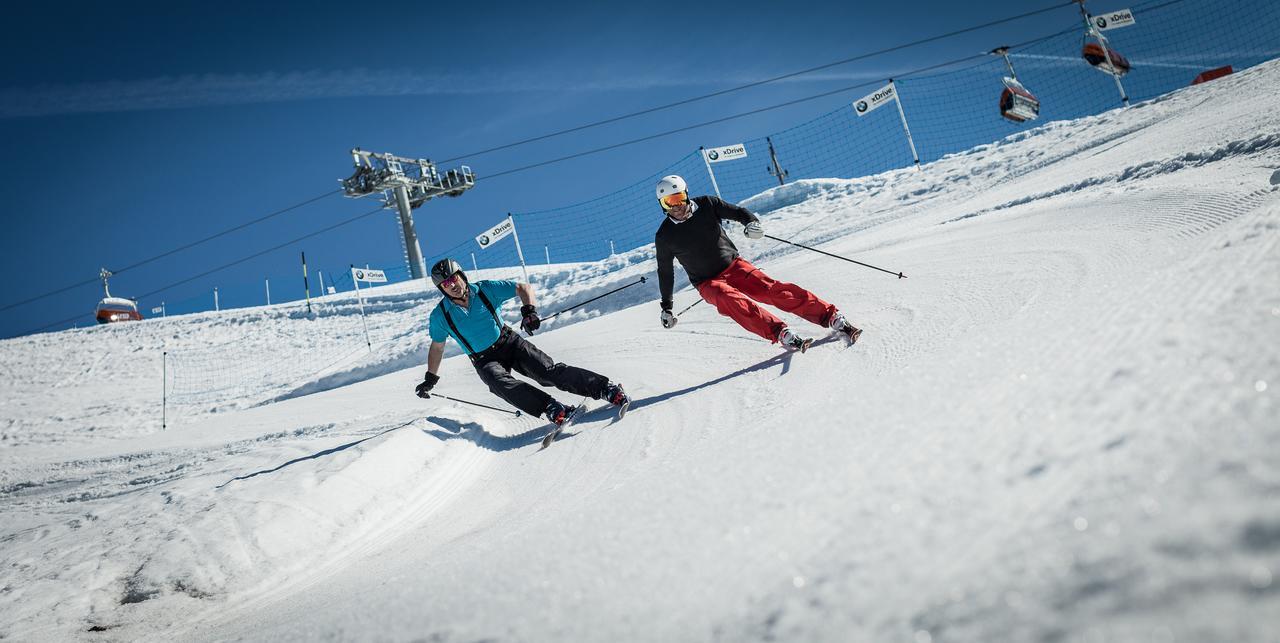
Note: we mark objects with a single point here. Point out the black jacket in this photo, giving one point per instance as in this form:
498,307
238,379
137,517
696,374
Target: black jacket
701,245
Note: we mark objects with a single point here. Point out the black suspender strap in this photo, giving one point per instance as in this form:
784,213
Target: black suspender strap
488,305
456,334
449,320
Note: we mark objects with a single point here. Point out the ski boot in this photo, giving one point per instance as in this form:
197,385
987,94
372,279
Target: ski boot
841,325
561,417
614,395
793,341
558,413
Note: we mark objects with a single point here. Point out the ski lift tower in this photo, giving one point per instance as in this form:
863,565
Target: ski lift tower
405,184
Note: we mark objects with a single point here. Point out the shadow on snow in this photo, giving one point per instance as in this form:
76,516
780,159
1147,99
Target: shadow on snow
451,429
316,455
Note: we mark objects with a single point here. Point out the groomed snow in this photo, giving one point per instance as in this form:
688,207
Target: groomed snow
1061,426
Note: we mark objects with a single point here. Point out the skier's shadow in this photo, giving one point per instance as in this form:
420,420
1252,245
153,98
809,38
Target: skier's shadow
451,429
316,455
783,359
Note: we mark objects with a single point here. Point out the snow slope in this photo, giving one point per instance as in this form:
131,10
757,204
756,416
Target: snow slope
1061,426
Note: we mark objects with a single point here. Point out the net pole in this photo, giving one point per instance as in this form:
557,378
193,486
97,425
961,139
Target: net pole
703,152
897,100
519,252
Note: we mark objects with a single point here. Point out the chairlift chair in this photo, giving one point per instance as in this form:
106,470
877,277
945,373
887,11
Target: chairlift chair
1096,55
114,309
1099,53
1017,103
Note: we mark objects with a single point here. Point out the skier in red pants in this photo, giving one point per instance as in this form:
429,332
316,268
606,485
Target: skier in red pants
691,233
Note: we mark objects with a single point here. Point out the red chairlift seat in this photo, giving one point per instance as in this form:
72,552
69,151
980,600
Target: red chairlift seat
1017,103
1094,54
117,309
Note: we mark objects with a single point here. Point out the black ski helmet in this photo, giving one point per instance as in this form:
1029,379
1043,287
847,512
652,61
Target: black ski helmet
444,269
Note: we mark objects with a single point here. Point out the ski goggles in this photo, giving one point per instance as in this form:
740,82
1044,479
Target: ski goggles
674,200
455,280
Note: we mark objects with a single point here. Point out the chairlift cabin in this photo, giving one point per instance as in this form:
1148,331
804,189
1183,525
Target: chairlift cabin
117,309
1017,103
1097,55
114,309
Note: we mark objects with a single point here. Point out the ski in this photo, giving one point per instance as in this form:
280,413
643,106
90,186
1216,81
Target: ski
577,412
622,409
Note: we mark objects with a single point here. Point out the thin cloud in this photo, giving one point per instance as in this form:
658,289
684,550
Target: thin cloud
235,89
207,90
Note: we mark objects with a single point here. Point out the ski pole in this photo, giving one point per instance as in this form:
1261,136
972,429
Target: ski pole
483,406
638,281
899,275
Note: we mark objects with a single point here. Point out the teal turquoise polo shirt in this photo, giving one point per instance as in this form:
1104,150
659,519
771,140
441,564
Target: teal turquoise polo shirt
475,323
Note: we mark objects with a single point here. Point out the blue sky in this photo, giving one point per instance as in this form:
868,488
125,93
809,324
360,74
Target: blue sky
131,129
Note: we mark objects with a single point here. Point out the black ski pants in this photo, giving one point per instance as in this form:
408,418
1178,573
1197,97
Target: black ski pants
512,352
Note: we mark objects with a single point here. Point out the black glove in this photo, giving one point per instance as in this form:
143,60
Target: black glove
428,381
529,321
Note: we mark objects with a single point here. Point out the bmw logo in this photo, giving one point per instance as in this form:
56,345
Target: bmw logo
1101,22
484,239
359,274
713,155
861,106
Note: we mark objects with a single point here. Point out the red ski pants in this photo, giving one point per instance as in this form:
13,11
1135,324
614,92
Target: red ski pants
731,293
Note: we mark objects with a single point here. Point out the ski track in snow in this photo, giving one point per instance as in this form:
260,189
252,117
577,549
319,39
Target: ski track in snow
1060,426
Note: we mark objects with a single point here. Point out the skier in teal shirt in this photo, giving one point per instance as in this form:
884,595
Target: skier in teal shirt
469,314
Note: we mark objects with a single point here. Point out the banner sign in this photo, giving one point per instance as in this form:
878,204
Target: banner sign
157,310
1113,20
496,233
870,102
726,153
369,275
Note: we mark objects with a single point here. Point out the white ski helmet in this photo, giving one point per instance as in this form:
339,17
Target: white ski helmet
671,184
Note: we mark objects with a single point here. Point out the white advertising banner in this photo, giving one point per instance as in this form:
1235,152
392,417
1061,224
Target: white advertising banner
878,98
726,153
1113,20
368,274
496,233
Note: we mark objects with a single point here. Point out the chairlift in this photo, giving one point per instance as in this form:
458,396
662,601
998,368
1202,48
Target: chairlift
1105,59
1017,103
114,309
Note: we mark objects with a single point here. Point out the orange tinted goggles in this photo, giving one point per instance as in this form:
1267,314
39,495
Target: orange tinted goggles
674,200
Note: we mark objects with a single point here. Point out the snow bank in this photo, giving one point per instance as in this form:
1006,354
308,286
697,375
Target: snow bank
214,531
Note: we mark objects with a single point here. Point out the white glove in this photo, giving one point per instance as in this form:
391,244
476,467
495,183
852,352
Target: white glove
669,319
754,230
